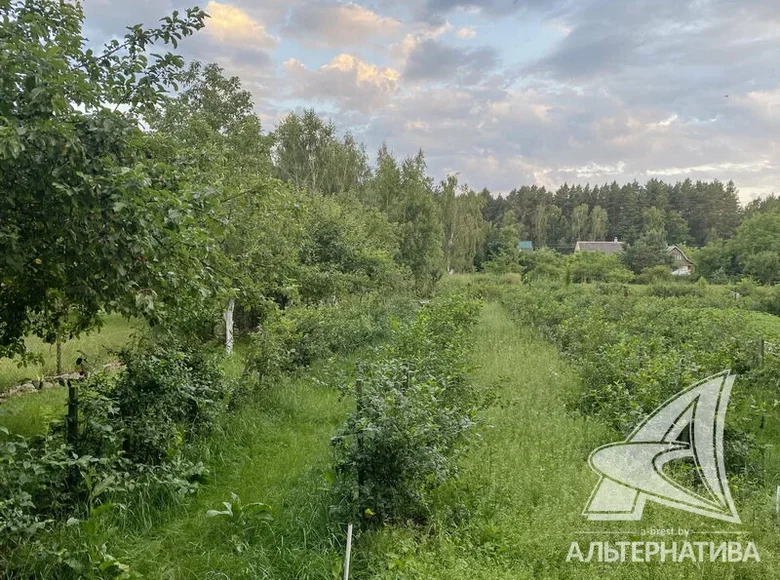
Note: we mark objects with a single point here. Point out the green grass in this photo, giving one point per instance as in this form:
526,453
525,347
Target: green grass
97,347
525,486
513,514
274,451
30,413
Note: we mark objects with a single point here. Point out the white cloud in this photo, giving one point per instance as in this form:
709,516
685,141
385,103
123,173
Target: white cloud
233,26
323,24
716,168
466,32
347,80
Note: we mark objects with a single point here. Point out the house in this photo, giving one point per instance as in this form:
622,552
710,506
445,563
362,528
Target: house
681,265
613,247
525,246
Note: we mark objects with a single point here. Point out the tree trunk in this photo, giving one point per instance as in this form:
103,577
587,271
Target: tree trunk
231,306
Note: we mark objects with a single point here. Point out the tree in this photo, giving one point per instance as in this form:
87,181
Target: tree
504,253
464,226
598,223
308,153
93,216
648,251
764,266
420,225
580,222
757,244
653,219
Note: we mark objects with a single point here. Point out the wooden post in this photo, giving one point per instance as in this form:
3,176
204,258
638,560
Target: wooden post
72,419
359,405
59,357
761,351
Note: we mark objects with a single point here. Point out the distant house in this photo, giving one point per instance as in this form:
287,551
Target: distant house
525,246
614,247
681,265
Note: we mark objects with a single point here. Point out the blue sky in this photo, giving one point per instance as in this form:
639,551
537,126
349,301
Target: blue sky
512,92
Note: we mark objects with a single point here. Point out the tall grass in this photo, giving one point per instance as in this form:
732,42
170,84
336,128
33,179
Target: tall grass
524,488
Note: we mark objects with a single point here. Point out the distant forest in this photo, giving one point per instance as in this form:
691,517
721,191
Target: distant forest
692,213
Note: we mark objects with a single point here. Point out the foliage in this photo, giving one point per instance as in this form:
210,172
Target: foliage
597,267
241,519
753,251
635,353
648,251
416,412
93,217
165,398
464,227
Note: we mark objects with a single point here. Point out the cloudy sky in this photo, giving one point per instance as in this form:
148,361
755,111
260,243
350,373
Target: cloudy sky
513,92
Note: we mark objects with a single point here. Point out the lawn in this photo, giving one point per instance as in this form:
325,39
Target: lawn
97,348
30,413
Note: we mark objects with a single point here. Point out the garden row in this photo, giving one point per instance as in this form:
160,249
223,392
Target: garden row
635,347
138,446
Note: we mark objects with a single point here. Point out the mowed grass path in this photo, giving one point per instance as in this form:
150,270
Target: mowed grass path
275,451
528,481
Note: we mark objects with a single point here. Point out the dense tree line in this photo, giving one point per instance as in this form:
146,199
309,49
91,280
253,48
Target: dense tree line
134,183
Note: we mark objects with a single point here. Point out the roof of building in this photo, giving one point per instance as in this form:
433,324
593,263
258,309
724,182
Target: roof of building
525,245
679,249
603,247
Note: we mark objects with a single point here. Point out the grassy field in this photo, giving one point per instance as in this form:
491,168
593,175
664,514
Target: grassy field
96,347
30,413
520,495
512,515
526,485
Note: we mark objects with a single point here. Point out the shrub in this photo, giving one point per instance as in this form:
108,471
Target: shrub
165,397
416,411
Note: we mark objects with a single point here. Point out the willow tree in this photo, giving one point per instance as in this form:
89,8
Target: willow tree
465,229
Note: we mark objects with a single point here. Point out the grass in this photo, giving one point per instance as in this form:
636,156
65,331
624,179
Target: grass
30,413
96,347
513,514
525,486
274,451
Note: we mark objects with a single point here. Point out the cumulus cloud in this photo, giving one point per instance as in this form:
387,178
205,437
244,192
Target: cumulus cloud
322,23
346,80
629,90
231,25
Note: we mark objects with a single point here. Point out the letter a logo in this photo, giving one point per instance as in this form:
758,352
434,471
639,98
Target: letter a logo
687,426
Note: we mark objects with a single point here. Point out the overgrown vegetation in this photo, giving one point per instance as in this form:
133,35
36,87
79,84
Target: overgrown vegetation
416,412
135,184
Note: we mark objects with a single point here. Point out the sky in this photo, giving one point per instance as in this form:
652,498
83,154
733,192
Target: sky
508,93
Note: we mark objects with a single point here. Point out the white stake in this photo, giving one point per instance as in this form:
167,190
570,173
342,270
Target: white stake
348,555
777,502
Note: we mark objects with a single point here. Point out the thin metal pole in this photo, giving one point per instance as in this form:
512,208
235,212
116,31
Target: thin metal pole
348,555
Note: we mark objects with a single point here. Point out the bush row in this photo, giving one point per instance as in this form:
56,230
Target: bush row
635,349
138,432
415,414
